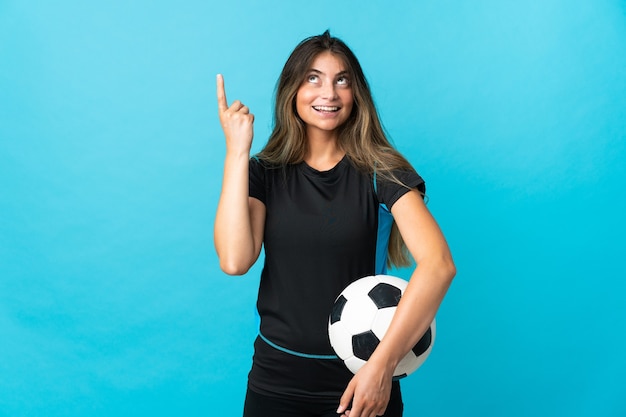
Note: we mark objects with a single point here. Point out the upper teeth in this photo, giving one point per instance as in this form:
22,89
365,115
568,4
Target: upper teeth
326,108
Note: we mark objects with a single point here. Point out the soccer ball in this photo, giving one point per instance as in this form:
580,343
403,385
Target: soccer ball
360,318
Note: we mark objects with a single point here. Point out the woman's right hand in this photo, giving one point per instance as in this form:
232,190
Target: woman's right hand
236,120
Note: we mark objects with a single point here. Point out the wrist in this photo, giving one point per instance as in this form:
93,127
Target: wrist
384,360
238,154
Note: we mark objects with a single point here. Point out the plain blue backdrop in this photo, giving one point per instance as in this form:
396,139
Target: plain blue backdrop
111,299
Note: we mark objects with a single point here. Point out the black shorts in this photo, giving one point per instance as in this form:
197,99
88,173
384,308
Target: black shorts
259,405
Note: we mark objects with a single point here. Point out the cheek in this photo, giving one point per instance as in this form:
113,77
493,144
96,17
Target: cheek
348,102
301,111
298,103
302,99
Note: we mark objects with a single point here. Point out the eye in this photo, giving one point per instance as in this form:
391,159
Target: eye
343,80
312,78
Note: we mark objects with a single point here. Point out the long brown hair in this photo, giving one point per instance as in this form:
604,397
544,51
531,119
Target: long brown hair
361,137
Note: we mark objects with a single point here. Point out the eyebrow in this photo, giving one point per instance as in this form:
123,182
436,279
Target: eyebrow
344,72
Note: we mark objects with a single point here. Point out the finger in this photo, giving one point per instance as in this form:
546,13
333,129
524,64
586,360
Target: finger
222,104
245,109
381,410
235,106
357,411
344,402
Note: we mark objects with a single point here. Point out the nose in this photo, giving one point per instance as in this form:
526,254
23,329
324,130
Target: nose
329,91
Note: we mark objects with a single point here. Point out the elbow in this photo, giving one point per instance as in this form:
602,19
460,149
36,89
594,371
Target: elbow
234,261
233,266
443,270
447,269
451,271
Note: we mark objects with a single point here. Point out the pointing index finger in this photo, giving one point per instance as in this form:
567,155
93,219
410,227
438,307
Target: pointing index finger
222,104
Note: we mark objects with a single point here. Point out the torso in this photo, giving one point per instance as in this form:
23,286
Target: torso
321,233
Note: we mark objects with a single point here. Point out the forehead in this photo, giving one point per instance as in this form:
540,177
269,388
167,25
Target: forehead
329,63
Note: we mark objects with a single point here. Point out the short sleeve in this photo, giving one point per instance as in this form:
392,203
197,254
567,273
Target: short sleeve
389,192
256,179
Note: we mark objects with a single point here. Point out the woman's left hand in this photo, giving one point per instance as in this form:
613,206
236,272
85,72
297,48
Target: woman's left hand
369,392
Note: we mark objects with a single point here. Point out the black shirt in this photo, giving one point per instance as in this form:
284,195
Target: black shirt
322,232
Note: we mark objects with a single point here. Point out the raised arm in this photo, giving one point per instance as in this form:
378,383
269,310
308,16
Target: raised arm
239,221
370,387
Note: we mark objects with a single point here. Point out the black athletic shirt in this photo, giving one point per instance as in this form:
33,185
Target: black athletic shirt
322,232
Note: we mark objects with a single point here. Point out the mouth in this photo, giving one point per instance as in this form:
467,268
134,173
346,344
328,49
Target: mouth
326,109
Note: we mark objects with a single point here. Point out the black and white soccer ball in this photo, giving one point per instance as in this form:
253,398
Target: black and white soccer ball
360,318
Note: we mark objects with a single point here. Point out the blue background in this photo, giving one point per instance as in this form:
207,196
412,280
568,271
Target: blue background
111,299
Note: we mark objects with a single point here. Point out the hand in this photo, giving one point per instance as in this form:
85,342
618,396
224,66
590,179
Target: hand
236,120
369,391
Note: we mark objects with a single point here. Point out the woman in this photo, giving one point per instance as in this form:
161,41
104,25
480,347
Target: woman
316,198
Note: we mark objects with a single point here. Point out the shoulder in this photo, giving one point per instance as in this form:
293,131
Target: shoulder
257,162
259,166
262,172
392,185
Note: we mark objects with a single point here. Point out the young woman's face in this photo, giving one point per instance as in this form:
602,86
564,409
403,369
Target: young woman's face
324,100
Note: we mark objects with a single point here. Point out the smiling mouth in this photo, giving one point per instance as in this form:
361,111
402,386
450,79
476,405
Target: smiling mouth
331,109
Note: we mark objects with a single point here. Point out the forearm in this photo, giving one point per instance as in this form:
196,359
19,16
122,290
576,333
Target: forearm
233,235
415,312
369,389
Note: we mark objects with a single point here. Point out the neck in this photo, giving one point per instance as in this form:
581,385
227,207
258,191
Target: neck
323,151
